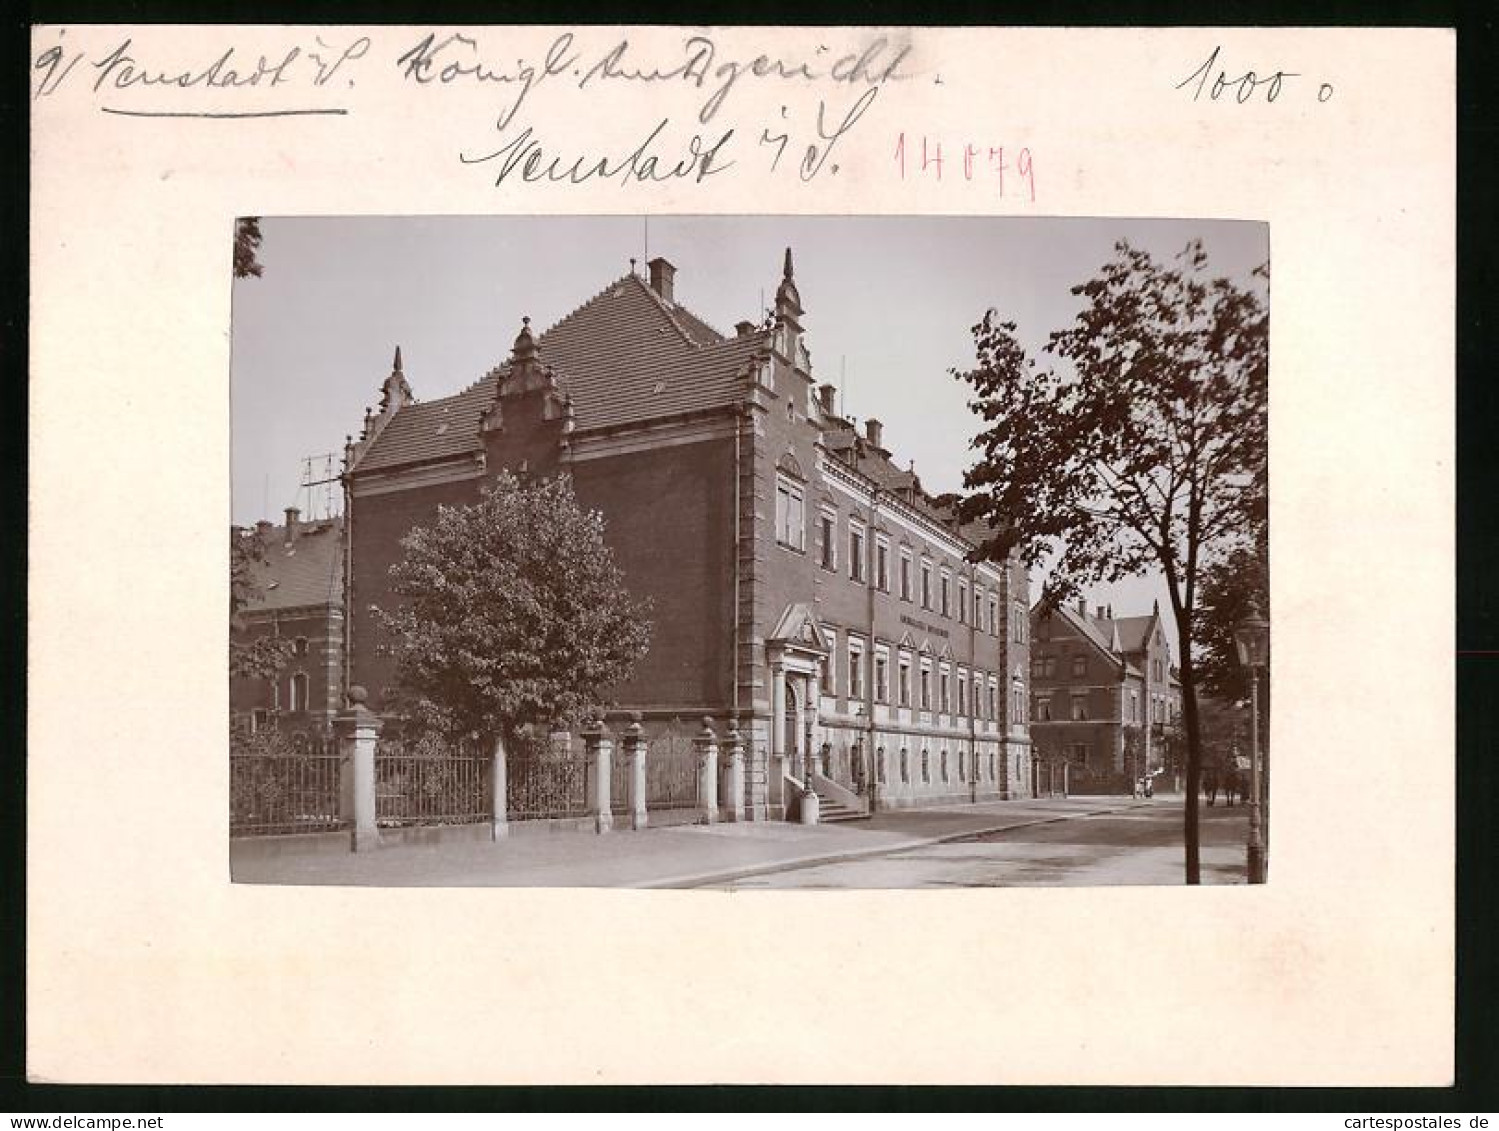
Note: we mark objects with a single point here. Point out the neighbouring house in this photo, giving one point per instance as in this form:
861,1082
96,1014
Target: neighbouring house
802,583
1106,699
299,597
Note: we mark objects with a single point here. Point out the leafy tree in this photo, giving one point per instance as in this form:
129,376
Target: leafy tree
259,657
1148,451
246,247
1229,587
513,613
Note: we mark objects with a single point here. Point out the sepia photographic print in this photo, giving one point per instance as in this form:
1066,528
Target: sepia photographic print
749,552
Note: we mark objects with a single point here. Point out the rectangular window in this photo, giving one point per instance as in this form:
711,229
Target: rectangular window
1043,709
1134,706
881,678
942,685
882,567
856,552
791,522
926,586
829,542
994,701
1079,708
1050,666
962,694
905,683
926,689
946,587
962,603
993,616
830,666
1079,665
855,672
1038,666
905,577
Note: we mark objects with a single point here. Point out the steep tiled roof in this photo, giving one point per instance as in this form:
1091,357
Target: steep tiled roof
1132,632
308,572
625,356
1099,631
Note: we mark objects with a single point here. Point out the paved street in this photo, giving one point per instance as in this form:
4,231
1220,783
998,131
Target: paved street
1050,841
1140,845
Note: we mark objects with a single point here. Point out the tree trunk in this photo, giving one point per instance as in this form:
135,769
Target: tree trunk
1194,753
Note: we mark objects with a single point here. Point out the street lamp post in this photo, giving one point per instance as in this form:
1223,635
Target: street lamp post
1252,638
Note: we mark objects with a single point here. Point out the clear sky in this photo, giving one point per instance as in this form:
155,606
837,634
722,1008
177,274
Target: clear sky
890,302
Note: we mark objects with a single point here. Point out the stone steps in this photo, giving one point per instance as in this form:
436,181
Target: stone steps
830,811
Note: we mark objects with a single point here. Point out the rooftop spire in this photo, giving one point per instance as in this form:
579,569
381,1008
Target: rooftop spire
395,393
788,300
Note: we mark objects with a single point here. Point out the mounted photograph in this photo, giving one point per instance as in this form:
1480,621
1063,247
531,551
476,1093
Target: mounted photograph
749,552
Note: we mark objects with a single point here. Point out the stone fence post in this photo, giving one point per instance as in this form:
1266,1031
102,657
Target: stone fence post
632,749
499,789
707,774
358,728
732,802
599,754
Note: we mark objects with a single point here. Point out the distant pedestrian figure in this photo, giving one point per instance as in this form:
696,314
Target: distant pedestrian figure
1210,784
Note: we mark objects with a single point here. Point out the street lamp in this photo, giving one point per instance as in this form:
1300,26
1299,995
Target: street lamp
1252,637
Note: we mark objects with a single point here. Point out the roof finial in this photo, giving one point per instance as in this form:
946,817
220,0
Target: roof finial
397,364
786,270
525,343
632,265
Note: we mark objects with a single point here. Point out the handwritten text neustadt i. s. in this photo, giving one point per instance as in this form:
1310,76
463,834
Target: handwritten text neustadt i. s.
823,95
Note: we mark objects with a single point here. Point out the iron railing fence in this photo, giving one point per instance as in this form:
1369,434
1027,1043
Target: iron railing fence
425,780
671,771
281,783
620,778
546,780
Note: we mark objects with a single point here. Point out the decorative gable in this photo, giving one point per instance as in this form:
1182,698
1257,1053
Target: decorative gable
798,626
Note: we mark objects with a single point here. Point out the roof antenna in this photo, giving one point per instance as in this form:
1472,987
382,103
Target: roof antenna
646,220
842,385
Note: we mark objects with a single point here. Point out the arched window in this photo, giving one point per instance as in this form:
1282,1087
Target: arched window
962,757
905,767
879,766
300,646
991,765
926,767
944,765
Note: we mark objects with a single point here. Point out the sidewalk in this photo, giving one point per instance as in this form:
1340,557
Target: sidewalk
684,856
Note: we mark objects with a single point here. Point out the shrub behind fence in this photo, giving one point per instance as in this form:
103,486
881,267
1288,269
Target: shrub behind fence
545,781
283,782
425,780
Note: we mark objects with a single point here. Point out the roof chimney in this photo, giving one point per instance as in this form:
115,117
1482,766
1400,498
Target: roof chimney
825,395
1101,613
293,521
873,430
744,329
662,276
263,528
1082,606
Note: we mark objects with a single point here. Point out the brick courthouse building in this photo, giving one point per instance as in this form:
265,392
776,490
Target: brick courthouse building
801,582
